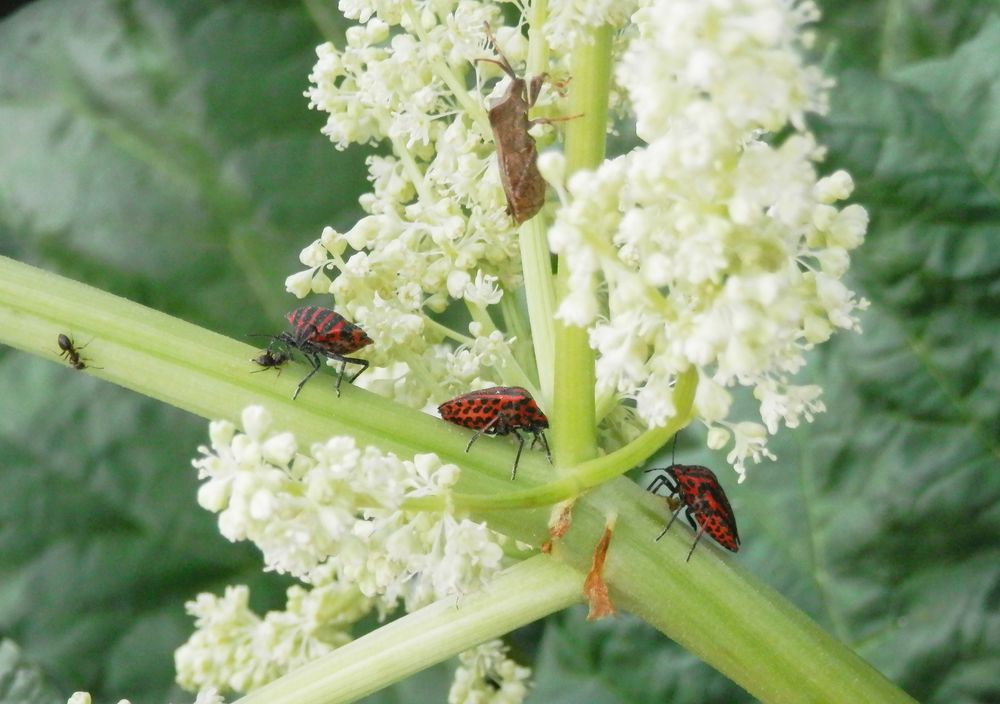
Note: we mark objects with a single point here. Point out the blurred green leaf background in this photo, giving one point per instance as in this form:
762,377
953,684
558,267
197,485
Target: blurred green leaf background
163,151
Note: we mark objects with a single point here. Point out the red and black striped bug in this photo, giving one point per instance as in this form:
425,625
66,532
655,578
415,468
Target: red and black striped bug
703,501
499,411
269,359
320,332
71,353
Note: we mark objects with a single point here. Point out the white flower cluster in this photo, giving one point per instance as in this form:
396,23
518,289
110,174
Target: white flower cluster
335,514
436,229
569,21
487,676
334,519
719,245
234,649
206,696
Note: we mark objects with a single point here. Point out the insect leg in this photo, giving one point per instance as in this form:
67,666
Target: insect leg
690,518
671,521
343,367
658,483
697,537
545,444
481,431
517,457
316,364
355,360
661,480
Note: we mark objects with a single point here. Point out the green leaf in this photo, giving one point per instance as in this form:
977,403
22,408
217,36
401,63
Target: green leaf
887,34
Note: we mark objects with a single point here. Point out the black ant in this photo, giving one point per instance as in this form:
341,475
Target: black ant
71,353
269,359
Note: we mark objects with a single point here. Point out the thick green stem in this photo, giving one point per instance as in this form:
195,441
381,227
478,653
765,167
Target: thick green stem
585,476
524,593
574,421
710,605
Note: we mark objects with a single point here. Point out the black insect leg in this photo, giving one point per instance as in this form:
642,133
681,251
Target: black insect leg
660,481
517,457
482,430
540,435
363,363
340,374
697,536
671,521
316,364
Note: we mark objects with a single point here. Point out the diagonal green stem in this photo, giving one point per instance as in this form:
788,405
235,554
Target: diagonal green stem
417,641
585,476
710,604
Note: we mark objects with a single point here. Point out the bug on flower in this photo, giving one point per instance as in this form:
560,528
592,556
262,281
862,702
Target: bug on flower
703,501
499,411
523,184
70,352
319,332
269,359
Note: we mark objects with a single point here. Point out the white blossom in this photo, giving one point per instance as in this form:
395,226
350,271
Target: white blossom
234,649
720,247
487,676
206,696
337,513
571,21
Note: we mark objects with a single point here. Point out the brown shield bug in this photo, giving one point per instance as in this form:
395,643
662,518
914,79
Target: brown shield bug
522,182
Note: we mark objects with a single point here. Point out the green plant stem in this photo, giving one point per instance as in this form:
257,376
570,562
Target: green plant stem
585,476
710,605
574,421
536,259
416,641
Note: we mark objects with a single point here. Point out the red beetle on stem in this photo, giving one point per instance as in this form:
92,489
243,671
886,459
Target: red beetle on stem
703,501
321,332
499,411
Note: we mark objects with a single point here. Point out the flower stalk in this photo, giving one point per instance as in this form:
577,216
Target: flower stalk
574,417
732,621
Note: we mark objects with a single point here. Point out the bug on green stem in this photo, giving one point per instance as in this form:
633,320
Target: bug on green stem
499,411
703,501
319,332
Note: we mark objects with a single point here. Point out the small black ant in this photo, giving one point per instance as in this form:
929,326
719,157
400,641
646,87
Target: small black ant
269,359
71,353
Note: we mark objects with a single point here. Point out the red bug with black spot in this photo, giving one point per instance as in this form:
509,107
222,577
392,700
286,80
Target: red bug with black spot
499,411
321,332
703,501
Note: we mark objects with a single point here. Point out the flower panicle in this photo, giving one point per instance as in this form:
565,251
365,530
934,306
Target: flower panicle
334,518
717,243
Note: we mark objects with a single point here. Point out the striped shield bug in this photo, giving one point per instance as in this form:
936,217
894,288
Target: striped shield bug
499,411
319,332
523,184
703,501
